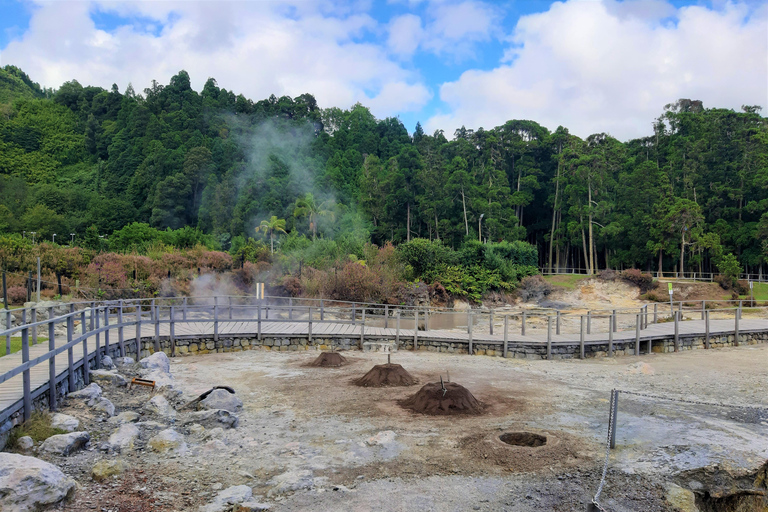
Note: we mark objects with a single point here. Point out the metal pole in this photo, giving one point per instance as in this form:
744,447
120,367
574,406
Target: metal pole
557,329
397,332
703,308
354,314
740,309
26,379
581,337
258,321
173,334
106,332
522,325
86,367
8,321
426,320
637,335
615,323
549,337
677,331
309,331
415,329
469,332
490,321
138,330
506,336
362,330
51,361
610,336
215,322
70,350
290,309
5,296
614,417
184,310
97,356
120,333
322,310
386,316
655,313
229,307
34,329
38,279
736,331
706,329
589,322
156,319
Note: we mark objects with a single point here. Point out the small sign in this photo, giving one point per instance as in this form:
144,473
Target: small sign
670,288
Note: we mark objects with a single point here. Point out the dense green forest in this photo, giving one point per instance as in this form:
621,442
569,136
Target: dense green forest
117,170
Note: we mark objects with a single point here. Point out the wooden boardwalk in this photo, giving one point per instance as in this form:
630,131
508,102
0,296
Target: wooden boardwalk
11,390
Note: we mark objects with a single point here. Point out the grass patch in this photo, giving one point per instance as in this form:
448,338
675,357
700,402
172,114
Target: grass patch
38,427
16,343
569,281
760,290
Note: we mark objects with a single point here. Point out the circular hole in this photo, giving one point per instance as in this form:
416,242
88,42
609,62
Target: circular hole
523,439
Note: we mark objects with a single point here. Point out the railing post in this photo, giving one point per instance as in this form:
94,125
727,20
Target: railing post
172,334
322,310
362,330
736,330
215,322
655,313
614,415
184,310
97,355
106,332
229,308
33,320
156,319
522,325
637,335
549,337
615,323
677,331
426,320
120,333
706,329
469,331
397,330
415,329
354,314
26,378
86,367
490,322
506,336
610,336
740,303
8,321
386,316
557,327
138,330
309,330
581,337
51,361
703,308
258,321
589,322
70,350
290,308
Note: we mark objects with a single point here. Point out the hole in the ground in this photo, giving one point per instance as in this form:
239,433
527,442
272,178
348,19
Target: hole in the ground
523,439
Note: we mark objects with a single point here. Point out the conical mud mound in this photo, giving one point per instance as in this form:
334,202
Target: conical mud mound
385,375
432,399
327,359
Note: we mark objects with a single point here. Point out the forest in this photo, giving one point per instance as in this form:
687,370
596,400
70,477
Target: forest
129,172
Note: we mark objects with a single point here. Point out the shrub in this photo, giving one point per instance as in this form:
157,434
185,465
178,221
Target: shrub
655,296
17,294
608,275
533,288
730,269
637,277
422,254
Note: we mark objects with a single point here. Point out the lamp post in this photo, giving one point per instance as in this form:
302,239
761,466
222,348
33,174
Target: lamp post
480,228
72,241
54,238
33,235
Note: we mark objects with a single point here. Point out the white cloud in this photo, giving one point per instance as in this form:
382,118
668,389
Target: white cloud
254,48
405,34
597,66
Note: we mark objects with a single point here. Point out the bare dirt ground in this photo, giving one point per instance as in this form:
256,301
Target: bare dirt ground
310,440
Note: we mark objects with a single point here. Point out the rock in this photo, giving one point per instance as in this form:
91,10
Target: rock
214,446
230,496
106,377
681,499
151,425
65,422
640,368
101,404
382,438
168,441
291,481
107,468
251,506
197,429
64,444
157,361
159,406
28,484
107,362
124,361
221,399
125,417
212,418
25,444
92,390
2,321
123,439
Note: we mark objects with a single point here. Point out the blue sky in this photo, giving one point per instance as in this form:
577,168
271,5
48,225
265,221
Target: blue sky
589,65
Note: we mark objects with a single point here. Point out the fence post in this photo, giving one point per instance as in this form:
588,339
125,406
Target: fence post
156,319
703,308
290,309
51,361
415,329
8,321
522,325
33,320
215,322
469,331
309,330
70,350
740,302
426,320
677,331
610,336
557,327
184,310
706,329
27,381
615,323
258,321
589,322
637,335
354,314
362,330
322,310
655,313
581,337
397,332
172,334
120,333
614,417
490,322
86,367
549,337
95,314
386,316
138,330
506,336
736,330
229,307
106,332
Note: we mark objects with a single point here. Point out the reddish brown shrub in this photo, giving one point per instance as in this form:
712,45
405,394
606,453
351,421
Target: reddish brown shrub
17,294
533,288
637,277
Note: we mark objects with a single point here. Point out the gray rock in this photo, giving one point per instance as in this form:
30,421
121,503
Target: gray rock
123,439
124,361
25,444
151,425
222,399
157,361
253,506
106,377
125,417
291,481
65,422
28,484
64,444
107,362
101,404
159,406
230,496
212,418
92,390
168,441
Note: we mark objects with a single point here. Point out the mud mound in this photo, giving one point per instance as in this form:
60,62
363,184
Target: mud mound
522,452
327,359
432,399
383,375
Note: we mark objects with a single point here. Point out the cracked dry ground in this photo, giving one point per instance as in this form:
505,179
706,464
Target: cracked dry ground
310,440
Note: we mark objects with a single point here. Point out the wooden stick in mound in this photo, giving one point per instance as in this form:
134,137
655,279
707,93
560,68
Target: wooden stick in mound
438,398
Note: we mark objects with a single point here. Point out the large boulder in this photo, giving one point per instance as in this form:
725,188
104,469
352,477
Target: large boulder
101,404
64,444
107,377
212,418
156,362
123,439
92,390
221,399
230,496
168,441
159,406
25,444
65,422
28,484
107,468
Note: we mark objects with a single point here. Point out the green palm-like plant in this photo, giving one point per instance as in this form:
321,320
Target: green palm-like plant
269,227
307,207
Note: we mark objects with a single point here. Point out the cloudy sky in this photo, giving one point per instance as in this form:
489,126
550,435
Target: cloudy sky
589,65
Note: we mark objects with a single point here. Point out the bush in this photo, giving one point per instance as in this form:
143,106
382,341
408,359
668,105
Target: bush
655,296
17,294
637,277
608,275
533,288
422,255
730,269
